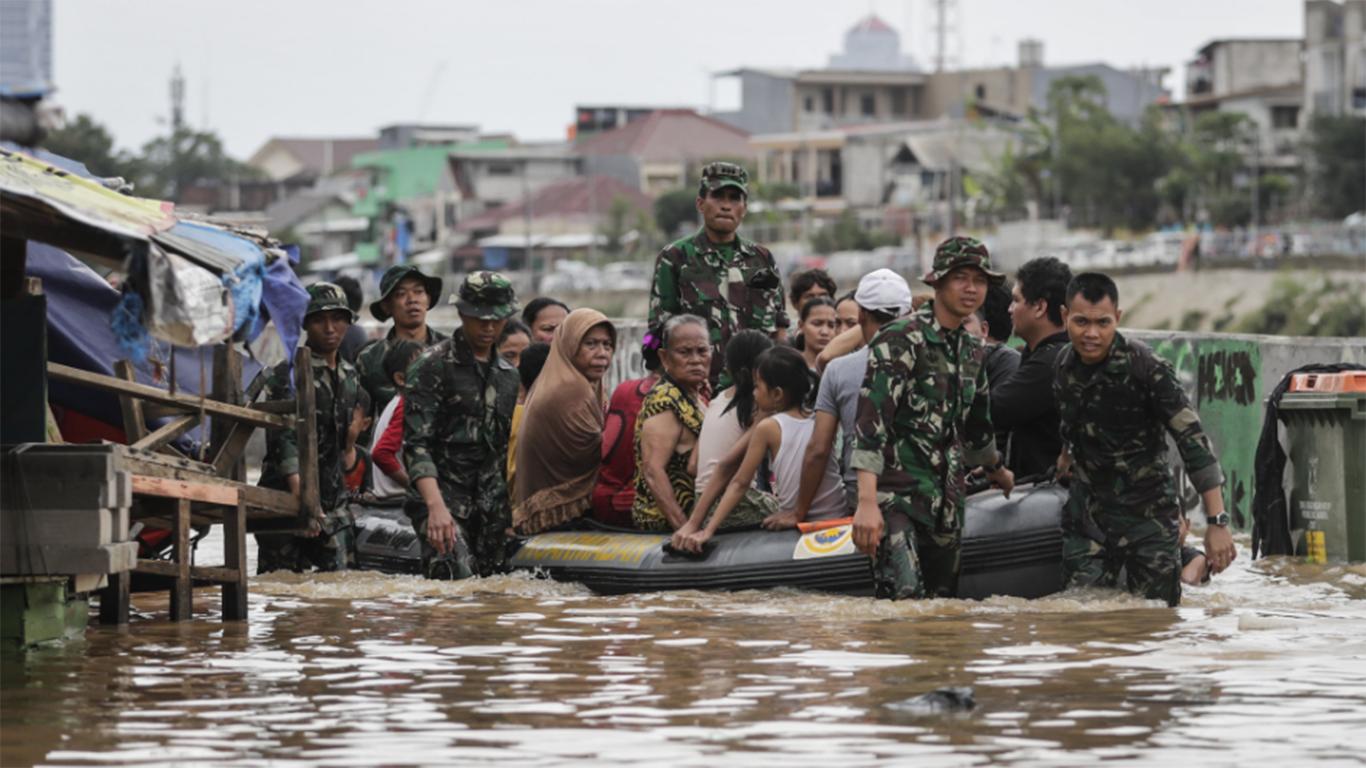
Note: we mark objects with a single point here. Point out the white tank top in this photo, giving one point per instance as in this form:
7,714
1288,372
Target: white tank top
829,501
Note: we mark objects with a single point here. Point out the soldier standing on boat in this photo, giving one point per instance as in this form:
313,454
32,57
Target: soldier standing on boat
1118,401
924,415
329,543
715,274
457,417
405,295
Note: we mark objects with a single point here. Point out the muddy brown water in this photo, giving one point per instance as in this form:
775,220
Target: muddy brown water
1265,666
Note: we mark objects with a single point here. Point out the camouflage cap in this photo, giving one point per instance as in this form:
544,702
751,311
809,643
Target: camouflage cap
961,252
717,175
327,297
395,275
486,295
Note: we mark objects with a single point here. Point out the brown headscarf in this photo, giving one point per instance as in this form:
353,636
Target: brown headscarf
560,445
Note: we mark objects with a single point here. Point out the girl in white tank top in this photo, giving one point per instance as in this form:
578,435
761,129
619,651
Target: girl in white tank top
781,384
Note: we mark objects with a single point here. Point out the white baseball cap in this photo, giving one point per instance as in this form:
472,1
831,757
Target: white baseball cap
883,290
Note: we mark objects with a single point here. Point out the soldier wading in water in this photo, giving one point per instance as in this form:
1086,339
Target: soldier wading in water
1118,401
458,403
924,415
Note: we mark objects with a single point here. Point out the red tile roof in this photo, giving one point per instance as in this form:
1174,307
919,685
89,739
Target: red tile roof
581,196
670,134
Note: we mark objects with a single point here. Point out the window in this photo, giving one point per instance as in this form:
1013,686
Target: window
868,105
502,169
898,101
809,104
1285,117
828,99
980,91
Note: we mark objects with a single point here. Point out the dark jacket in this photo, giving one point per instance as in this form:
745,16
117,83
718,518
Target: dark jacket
1023,405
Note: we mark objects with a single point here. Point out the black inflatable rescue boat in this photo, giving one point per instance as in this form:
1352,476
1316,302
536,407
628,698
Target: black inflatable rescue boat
1010,547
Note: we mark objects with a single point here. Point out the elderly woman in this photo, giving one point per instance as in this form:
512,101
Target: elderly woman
667,428
560,445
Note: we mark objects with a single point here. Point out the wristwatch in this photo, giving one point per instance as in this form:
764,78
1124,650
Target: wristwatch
1220,519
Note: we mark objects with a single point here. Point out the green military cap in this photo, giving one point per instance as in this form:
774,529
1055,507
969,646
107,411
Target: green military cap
717,175
395,275
327,297
486,295
961,252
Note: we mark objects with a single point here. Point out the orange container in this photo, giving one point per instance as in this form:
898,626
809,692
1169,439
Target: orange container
1331,383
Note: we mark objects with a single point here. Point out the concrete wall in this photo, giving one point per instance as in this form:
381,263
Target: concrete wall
1228,377
766,104
1127,94
1241,65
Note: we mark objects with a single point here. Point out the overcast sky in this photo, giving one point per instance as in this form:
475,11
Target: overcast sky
262,68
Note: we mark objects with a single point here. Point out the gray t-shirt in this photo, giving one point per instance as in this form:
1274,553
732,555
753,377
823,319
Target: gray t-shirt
838,396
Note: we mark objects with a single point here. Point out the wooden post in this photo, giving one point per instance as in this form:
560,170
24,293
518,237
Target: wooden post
310,503
227,388
134,426
182,589
114,605
235,557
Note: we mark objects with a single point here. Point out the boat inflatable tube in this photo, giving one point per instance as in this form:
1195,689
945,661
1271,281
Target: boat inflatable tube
1010,547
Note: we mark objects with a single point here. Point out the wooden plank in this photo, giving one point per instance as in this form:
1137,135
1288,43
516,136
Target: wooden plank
275,406
182,590
227,461
235,559
114,603
162,397
210,493
200,573
134,423
310,503
280,503
166,433
227,388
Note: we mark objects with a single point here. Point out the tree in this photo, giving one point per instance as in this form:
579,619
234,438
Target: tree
675,209
1337,151
87,141
173,163
614,226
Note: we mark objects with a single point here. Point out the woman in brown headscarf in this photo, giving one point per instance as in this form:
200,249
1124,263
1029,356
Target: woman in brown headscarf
560,446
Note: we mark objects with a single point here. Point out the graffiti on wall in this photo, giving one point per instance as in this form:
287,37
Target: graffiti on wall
1222,377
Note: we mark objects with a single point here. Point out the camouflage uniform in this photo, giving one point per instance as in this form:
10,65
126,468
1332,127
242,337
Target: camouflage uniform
457,417
733,286
370,368
335,392
370,361
924,415
1125,513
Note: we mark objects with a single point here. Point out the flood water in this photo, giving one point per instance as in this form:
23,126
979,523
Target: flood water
1265,666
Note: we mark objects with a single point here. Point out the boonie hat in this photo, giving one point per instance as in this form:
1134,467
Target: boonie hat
486,295
961,252
719,174
327,297
883,290
395,275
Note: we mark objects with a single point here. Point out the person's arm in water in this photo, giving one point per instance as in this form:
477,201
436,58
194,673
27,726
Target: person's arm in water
868,520
767,435
1197,453
421,405
659,437
814,461
848,341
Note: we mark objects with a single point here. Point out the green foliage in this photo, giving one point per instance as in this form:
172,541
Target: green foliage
847,234
1293,309
1337,150
172,163
87,141
1192,320
674,210
773,191
615,225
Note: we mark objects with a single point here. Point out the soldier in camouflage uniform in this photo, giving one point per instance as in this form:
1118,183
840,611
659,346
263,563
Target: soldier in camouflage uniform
923,415
329,545
457,417
729,281
405,295
1118,401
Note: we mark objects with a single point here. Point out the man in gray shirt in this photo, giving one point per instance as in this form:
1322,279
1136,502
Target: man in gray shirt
882,297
